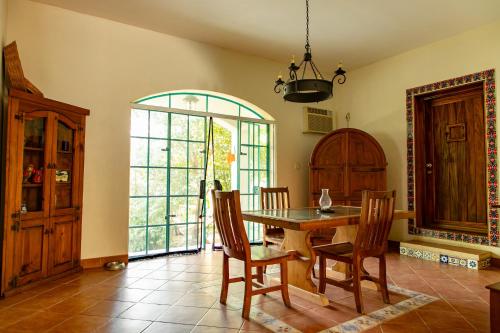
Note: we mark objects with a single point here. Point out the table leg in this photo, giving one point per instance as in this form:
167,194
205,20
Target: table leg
344,234
300,270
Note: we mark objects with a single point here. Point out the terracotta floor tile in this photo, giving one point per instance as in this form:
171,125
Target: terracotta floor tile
130,295
137,273
80,324
168,327
444,320
207,329
163,297
183,315
309,322
222,318
162,275
144,283
181,286
73,305
107,308
120,325
195,277
173,267
39,321
11,315
197,300
144,311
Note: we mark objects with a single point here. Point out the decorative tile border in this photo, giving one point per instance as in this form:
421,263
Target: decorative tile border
488,78
378,317
356,325
444,258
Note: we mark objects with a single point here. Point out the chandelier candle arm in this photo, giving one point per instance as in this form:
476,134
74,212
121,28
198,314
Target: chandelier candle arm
307,90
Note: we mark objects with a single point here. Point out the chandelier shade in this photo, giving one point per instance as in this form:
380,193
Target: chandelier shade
307,89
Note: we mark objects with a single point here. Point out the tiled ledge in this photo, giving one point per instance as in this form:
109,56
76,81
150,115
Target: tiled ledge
446,254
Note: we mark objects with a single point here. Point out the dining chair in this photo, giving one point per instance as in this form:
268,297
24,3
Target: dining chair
274,198
377,209
235,244
279,198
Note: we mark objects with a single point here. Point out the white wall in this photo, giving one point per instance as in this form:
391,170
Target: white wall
103,65
375,95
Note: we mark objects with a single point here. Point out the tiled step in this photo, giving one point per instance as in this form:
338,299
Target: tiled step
446,254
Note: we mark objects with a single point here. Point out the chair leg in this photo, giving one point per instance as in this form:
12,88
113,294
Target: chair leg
313,271
322,274
247,300
357,286
225,279
383,279
260,274
284,283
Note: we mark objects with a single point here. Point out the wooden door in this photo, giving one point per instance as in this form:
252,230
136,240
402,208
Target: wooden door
455,161
30,217
64,195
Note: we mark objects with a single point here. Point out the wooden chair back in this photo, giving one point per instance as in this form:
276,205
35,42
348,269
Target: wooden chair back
229,222
377,210
274,197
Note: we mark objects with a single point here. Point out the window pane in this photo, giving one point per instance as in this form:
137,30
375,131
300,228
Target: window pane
157,211
188,102
137,211
137,241
157,239
263,158
263,140
138,152
244,133
178,154
194,236
217,105
179,128
157,181
244,157
195,176
179,209
248,114
178,182
157,101
158,124
139,123
194,206
138,181
177,238
196,128
244,186
196,155
158,153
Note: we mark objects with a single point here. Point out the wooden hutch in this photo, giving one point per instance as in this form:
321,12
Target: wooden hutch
346,161
43,153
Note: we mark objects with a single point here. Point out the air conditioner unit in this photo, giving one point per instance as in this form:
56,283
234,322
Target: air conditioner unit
318,121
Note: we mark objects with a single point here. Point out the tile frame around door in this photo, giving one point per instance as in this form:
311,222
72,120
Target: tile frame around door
488,79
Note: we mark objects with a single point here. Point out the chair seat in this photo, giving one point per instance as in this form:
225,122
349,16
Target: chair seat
263,253
340,250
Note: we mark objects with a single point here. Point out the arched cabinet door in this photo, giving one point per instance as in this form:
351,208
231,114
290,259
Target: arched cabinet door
346,161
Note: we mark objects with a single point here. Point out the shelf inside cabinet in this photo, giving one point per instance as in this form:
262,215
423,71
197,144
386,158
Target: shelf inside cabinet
32,184
64,152
33,148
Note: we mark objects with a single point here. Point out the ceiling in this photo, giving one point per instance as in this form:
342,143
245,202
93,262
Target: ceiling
358,32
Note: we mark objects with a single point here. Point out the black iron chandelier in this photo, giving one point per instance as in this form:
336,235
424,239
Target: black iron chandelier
307,90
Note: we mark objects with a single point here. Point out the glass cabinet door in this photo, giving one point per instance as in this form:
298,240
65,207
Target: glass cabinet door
35,157
64,165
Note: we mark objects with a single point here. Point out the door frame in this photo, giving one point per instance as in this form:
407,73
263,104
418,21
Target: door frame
414,161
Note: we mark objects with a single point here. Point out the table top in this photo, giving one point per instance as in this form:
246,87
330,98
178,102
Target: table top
311,218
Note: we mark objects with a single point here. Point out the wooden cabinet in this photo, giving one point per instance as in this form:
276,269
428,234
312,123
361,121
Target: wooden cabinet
43,178
346,161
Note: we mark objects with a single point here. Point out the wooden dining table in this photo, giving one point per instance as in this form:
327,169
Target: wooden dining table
298,223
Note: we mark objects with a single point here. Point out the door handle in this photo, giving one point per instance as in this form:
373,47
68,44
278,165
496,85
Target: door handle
428,165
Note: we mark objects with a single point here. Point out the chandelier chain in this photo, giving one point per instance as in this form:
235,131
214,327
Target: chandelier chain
307,25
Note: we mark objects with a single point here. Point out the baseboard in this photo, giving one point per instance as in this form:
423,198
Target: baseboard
101,261
393,246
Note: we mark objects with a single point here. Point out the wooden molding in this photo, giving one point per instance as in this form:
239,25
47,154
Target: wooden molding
101,261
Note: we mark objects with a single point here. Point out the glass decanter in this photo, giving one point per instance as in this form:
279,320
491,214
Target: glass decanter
325,202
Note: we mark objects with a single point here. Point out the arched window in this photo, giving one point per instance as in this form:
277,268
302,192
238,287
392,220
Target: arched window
169,142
